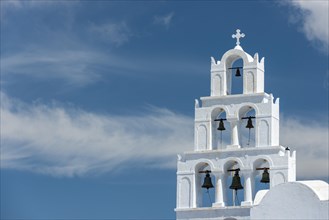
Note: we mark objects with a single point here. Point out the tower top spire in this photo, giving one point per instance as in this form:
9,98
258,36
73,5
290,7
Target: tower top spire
238,35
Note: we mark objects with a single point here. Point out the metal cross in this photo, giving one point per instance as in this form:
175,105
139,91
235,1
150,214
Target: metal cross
238,36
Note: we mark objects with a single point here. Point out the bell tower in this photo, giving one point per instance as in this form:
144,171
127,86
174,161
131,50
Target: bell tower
236,143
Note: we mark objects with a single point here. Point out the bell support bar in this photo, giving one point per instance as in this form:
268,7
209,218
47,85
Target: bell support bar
231,170
248,117
220,119
237,73
205,171
234,68
263,168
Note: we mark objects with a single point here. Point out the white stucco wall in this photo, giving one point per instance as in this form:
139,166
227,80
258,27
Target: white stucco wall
293,200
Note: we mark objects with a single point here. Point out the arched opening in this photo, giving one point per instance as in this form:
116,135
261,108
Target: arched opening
260,176
233,197
247,127
221,130
204,196
235,77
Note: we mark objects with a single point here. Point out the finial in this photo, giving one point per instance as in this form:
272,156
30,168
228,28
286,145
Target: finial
238,35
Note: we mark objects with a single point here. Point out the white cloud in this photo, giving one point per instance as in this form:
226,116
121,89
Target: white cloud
313,17
63,141
67,142
164,20
310,140
117,33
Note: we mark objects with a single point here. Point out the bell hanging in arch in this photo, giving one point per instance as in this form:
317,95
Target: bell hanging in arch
236,182
207,182
249,123
221,125
265,176
237,73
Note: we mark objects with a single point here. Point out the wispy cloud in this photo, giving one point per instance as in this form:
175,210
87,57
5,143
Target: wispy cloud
67,142
32,3
116,33
81,67
313,18
75,66
22,5
164,20
61,141
326,80
72,65
12,3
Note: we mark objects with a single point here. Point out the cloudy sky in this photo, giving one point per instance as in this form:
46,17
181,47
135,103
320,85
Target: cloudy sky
97,97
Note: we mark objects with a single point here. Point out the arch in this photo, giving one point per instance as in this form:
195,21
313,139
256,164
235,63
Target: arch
198,179
202,163
247,137
235,85
249,85
185,190
245,108
218,83
232,55
220,139
228,59
264,133
202,137
229,199
259,158
260,162
228,162
218,110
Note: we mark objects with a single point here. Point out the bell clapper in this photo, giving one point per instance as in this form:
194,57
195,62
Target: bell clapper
209,196
221,139
249,138
235,198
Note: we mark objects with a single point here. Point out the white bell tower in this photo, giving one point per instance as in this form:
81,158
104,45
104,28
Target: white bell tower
233,132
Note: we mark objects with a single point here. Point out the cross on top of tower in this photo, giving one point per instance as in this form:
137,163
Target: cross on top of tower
238,35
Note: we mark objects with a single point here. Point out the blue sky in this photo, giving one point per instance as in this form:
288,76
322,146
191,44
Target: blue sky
97,97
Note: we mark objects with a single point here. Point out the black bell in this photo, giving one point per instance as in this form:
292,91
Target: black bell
249,123
237,73
236,182
221,125
265,177
207,182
